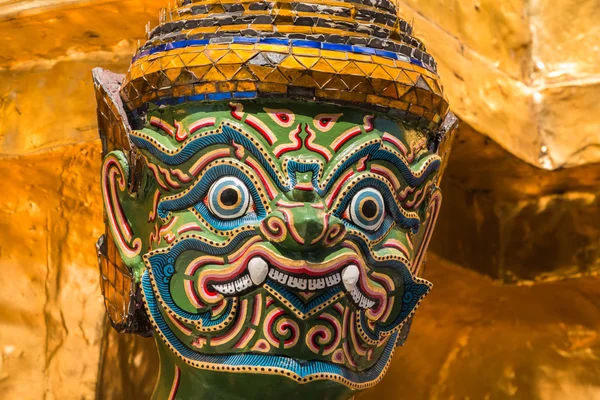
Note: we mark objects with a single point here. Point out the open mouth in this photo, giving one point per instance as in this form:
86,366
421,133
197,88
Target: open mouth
347,277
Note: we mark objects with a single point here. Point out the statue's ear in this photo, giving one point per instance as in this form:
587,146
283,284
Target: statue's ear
442,144
118,173
118,202
443,140
120,248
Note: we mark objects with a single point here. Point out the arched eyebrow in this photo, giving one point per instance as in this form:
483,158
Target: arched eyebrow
414,173
225,134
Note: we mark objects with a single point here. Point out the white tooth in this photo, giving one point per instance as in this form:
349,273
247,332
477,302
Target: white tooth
329,281
350,277
239,285
297,283
218,288
231,288
355,293
227,288
337,278
278,276
316,284
363,302
333,280
282,278
258,269
273,274
246,282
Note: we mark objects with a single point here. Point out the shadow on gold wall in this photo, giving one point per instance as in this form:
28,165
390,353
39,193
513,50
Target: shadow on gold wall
515,222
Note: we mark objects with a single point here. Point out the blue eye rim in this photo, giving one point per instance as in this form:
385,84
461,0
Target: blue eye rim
225,211
365,197
391,206
194,198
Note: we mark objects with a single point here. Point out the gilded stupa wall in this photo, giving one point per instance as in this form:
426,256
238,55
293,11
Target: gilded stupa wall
521,206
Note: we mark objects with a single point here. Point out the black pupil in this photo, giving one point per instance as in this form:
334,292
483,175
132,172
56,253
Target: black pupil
369,209
284,118
229,197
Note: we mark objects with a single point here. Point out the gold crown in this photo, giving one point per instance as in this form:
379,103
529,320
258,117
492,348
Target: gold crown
356,53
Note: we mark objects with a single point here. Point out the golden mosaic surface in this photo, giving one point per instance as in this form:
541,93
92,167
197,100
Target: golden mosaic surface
335,76
342,51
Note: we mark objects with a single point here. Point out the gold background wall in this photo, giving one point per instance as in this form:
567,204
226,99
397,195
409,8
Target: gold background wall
515,312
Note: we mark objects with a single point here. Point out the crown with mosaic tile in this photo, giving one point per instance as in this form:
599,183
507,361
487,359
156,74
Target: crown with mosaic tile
356,53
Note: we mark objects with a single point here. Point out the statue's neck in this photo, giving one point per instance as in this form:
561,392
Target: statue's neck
169,376
177,380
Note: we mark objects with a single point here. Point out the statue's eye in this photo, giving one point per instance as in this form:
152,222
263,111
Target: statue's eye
228,198
367,209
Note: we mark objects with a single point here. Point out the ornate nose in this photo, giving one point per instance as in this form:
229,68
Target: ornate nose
304,227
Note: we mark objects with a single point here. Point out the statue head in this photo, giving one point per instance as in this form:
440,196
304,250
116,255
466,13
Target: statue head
270,184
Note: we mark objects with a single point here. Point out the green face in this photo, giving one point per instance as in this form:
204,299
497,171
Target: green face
278,239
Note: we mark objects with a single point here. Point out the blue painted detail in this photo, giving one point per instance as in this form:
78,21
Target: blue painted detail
412,293
306,43
162,269
219,96
337,47
243,39
198,192
157,49
245,95
180,45
283,42
372,196
198,97
293,167
198,42
348,164
405,169
300,368
220,189
387,54
390,202
225,135
363,50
